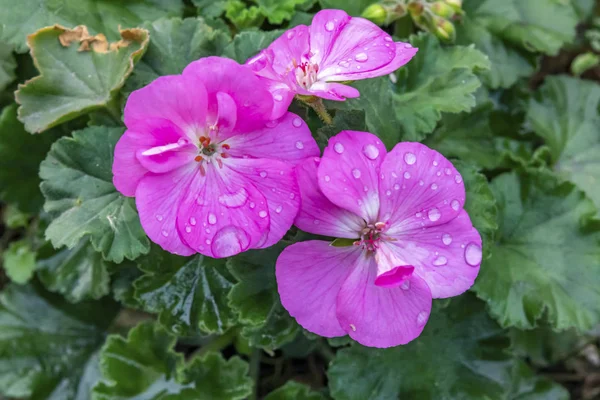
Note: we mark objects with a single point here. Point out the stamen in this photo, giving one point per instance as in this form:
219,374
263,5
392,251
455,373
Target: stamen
202,170
225,155
226,146
199,158
220,163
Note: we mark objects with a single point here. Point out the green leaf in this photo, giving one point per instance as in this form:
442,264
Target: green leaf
80,196
543,346
19,261
278,11
7,65
210,8
175,43
47,346
480,203
566,113
246,44
294,391
144,366
78,274
353,7
508,64
461,354
256,301
538,25
438,79
78,74
353,120
20,156
100,16
189,293
243,16
545,257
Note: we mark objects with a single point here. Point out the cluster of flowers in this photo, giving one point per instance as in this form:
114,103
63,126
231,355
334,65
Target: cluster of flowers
218,166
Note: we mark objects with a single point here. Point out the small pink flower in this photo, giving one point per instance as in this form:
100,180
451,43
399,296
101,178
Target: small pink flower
208,171
335,48
412,241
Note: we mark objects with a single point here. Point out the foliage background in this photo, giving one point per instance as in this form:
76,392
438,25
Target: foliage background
89,308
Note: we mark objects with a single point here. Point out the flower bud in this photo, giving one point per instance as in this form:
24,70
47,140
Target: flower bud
442,9
583,62
444,29
415,9
376,14
455,4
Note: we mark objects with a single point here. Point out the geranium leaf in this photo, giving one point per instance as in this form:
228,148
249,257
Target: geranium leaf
190,294
20,156
438,79
78,274
78,73
47,346
461,354
278,11
80,196
256,301
246,44
19,261
7,65
354,7
543,346
294,391
566,113
175,43
545,256
144,366
101,16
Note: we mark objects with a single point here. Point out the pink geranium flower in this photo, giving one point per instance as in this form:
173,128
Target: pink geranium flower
311,61
412,241
209,172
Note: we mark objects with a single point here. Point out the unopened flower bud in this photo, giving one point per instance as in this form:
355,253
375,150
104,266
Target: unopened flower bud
442,9
415,8
444,30
455,4
583,62
375,13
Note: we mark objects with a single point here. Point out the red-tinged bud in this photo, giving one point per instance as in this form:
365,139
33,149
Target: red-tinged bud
455,4
445,30
376,13
442,9
415,8
226,146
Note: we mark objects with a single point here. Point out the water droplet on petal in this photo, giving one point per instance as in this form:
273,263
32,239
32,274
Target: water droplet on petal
262,213
278,97
421,183
361,57
388,39
410,158
446,239
316,222
234,200
329,26
252,205
405,285
182,142
370,151
434,214
327,178
263,174
165,233
193,221
441,260
271,124
291,34
473,254
278,209
439,173
435,163
159,217
292,196
458,179
418,215
212,219
188,229
229,241
396,187
407,45
447,171
455,205
344,64
434,186
356,173
297,122
338,147
388,192
299,145
422,318
407,175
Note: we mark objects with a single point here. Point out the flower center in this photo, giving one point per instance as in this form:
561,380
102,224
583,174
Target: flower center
306,74
371,236
210,152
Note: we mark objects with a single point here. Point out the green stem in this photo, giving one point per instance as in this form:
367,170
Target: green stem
255,372
321,111
218,343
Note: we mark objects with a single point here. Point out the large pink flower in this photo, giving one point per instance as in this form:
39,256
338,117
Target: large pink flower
335,48
412,241
210,173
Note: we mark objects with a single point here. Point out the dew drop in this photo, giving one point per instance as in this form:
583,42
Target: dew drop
408,45
297,122
234,200
291,34
278,97
447,171
388,39
441,260
370,151
278,209
434,186
344,64
435,163
434,214
212,219
165,233
207,230
405,285
327,178
458,179
446,239
207,241
271,124
229,241
263,174
455,205
339,148
292,196
422,318
361,57
356,173
299,145
388,192
473,254
439,173
410,158
396,187
316,222
329,26
262,214
188,229
421,183
407,175
353,327
418,215
159,217
252,205
182,142
193,221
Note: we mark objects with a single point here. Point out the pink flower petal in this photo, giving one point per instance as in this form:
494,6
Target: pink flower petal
333,91
226,113
253,100
325,30
170,98
288,139
420,188
378,316
276,181
348,174
157,199
317,214
404,52
289,48
222,213
446,256
309,277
